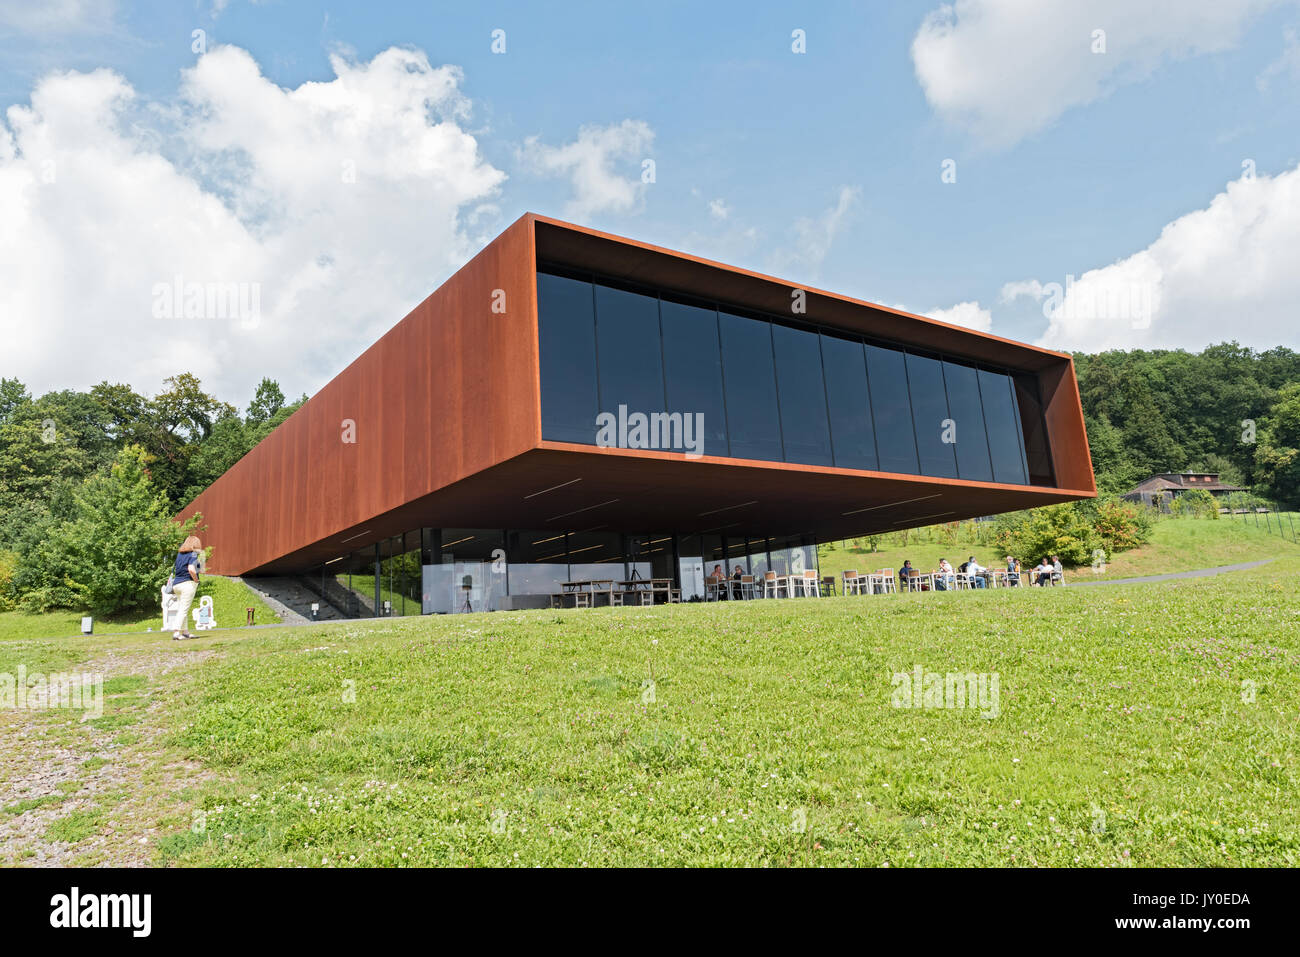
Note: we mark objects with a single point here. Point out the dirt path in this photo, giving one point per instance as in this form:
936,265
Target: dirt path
95,792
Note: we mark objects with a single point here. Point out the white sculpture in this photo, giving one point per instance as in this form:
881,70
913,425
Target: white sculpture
204,619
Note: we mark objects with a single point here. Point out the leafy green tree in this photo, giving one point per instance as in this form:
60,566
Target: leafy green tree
267,401
13,395
1278,456
114,553
58,437
182,417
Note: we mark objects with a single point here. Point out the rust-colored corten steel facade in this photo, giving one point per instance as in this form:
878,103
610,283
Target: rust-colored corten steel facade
440,424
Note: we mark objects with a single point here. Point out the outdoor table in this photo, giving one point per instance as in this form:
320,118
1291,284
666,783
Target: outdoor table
597,586
589,585
653,585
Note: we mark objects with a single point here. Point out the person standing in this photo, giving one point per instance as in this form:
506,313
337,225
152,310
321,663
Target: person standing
186,572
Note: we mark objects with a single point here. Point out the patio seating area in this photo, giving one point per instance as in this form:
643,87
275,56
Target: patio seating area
593,593
611,592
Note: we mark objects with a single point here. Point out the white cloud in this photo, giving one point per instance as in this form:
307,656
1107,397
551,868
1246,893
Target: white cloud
57,16
971,315
1007,68
1012,291
1286,65
343,202
718,209
1224,272
590,161
814,235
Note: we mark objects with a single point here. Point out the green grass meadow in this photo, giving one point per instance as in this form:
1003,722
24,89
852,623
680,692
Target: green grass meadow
1136,725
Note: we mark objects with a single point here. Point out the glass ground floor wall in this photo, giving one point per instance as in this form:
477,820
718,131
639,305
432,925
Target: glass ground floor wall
457,570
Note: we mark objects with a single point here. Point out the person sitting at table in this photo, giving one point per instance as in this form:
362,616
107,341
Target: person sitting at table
735,582
1043,573
720,578
944,578
1013,571
906,572
977,573
1058,571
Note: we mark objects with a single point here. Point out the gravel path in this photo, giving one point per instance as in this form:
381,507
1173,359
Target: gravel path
1195,573
111,807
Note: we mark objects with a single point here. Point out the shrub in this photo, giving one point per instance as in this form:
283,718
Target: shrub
1060,530
1196,503
1121,525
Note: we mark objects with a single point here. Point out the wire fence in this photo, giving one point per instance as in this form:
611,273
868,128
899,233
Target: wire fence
1282,522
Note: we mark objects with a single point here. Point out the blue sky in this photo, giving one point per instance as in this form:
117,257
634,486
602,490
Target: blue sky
822,167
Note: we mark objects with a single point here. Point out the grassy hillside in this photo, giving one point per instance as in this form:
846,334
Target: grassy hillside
1177,544
1135,724
229,599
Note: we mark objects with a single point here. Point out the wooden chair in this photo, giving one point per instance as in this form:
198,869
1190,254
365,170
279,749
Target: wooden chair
748,588
772,584
828,584
852,582
582,599
884,578
712,588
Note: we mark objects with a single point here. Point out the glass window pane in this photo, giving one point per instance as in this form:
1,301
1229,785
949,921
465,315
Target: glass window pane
967,413
891,410
627,347
757,558
1000,417
752,417
852,435
651,556
1037,456
801,392
693,369
537,562
930,415
596,556
567,344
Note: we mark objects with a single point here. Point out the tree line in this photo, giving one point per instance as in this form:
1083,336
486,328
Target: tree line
89,480
1226,409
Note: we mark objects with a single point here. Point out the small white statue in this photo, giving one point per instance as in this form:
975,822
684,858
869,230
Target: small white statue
204,619
170,609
